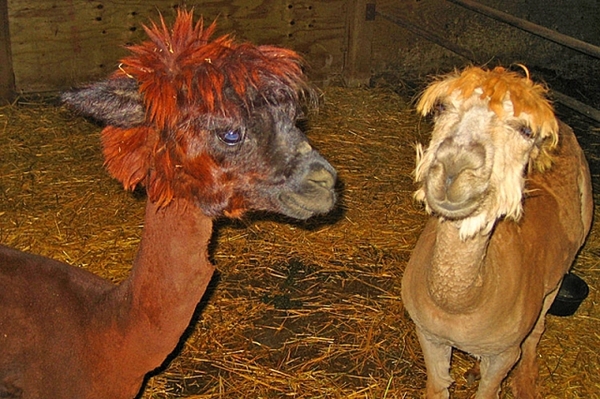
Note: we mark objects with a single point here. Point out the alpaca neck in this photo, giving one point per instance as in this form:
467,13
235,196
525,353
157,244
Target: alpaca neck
170,274
456,277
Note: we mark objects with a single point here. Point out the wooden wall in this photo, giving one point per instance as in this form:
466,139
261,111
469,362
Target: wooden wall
56,44
60,43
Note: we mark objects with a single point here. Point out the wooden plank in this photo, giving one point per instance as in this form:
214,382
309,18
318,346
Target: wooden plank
7,80
316,30
357,66
56,45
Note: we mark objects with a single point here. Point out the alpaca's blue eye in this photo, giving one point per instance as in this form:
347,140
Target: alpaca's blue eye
231,137
526,131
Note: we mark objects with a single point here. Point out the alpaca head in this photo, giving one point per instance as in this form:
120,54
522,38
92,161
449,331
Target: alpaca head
211,121
491,127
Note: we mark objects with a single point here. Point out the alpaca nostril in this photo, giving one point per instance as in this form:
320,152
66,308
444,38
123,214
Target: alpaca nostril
321,177
458,161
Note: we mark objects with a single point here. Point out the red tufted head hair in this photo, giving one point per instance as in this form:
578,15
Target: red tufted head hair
186,80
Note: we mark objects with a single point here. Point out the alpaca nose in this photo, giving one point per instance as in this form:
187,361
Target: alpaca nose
457,159
311,190
457,178
320,176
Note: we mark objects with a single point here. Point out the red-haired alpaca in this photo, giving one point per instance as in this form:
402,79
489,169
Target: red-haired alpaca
510,193
208,128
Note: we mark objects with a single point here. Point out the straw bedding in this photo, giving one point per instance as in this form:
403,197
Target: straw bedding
299,310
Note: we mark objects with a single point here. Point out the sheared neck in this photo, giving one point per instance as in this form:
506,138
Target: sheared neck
171,271
455,278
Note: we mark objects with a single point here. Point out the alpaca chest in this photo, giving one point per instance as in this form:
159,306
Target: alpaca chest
471,333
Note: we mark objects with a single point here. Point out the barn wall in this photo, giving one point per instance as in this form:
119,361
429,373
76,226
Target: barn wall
60,43
56,44
399,54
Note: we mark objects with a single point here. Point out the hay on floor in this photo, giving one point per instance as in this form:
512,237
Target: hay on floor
300,310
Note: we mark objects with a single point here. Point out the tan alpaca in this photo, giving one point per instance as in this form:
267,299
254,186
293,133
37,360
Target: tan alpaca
509,191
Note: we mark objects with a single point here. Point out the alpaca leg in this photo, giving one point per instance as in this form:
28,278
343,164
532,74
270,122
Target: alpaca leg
493,370
524,379
437,361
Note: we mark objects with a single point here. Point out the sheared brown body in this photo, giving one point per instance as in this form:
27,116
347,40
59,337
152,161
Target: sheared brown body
67,333
209,129
479,281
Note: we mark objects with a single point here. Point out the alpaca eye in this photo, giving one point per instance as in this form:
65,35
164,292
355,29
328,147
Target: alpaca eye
231,137
438,108
526,131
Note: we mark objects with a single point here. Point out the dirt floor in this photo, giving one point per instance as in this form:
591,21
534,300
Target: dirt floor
298,310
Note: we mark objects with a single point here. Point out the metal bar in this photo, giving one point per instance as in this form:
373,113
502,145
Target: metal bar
576,105
538,30
567,101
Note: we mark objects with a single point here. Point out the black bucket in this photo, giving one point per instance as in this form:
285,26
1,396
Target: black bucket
573,290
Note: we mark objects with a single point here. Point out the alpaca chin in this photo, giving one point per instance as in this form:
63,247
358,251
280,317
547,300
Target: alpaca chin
473,222
303,206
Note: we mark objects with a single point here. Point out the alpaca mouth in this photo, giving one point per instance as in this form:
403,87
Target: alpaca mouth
311,192
302,206
453,210
455,198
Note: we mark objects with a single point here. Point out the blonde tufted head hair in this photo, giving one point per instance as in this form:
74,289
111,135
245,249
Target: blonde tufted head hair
496,84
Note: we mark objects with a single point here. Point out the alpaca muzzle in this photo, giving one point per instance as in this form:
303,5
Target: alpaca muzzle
457,179
314,190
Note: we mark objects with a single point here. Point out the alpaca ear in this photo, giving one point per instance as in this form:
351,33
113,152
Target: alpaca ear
114,102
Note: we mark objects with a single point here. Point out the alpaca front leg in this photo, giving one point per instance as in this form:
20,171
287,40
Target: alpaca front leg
437,361
493,370
524,378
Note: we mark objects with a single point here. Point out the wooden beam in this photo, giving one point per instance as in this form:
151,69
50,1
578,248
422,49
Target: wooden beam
7,77
359,32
